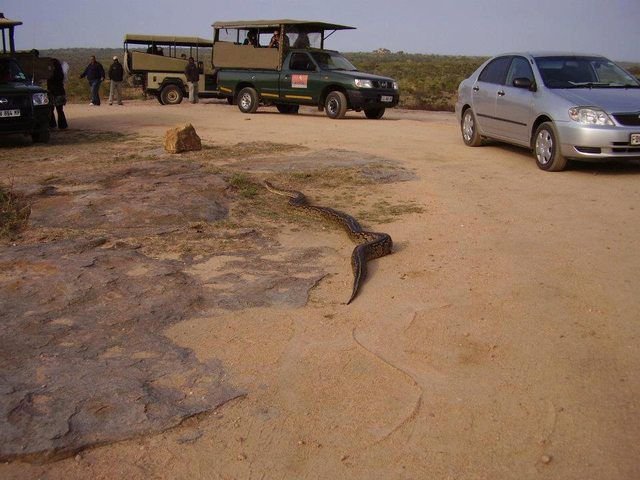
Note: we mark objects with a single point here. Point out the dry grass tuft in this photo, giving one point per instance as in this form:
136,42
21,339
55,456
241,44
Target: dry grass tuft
14,212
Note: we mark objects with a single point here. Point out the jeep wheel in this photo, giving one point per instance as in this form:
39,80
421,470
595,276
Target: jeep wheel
248,100
374,113
171,95
41,136
283,108
335,105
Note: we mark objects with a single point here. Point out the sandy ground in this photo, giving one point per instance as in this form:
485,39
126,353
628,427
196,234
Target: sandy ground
498,341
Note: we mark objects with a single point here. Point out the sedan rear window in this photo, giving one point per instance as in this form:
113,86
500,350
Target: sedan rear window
583,72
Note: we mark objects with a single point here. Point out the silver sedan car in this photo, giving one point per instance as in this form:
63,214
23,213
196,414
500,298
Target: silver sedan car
562,106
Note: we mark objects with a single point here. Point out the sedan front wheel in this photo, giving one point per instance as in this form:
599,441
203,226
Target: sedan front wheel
546,149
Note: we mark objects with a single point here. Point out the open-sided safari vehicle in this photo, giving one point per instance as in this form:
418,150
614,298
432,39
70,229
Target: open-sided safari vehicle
284,63
157,63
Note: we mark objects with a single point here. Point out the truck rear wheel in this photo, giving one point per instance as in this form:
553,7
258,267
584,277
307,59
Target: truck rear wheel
374,113
248,100
284,108
335,105
171,95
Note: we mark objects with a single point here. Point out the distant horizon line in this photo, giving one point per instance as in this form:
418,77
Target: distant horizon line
345,51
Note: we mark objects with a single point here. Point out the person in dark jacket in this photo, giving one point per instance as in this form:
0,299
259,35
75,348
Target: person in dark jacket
192,73
57,96
95,75
116,74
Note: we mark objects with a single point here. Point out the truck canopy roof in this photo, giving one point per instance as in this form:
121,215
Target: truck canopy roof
311,25
141,39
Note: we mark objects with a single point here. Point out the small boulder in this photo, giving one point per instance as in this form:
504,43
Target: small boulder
182,139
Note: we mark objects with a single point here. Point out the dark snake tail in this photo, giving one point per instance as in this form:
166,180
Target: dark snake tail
370,244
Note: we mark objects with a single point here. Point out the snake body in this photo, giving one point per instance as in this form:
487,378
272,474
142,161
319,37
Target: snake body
370,244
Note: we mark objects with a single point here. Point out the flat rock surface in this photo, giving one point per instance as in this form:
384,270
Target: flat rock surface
164,316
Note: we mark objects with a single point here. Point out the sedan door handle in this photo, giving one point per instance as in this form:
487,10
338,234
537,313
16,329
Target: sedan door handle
501,93
475,89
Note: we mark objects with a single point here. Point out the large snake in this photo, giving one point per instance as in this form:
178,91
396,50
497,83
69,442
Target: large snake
370,244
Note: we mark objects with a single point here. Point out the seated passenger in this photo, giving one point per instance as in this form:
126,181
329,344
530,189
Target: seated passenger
302,41
276,40
252,39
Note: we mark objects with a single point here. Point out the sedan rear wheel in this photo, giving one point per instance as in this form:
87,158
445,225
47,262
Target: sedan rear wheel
469,129
546,149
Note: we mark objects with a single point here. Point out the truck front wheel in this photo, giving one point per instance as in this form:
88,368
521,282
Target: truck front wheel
336,105
374,113
171,95
248,100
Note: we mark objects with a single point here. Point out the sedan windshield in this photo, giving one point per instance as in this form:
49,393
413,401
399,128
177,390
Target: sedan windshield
10,71
584,72
332,61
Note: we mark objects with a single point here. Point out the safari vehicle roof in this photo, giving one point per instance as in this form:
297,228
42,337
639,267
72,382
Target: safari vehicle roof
141,39
7,22
276,23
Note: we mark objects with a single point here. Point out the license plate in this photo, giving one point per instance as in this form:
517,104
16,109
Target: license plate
635,139
386,98
9,113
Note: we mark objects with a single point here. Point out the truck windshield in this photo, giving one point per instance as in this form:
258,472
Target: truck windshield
332,61
583,72
10,71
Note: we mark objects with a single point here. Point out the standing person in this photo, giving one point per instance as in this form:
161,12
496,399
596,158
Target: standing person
193,75
116,74
95,75
58,96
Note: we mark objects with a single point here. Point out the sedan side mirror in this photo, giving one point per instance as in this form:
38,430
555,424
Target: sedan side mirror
525,83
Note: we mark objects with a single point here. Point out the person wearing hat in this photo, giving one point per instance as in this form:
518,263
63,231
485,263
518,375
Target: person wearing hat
116,74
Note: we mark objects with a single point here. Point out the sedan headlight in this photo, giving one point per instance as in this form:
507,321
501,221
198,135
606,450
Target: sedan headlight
363,83
40,99
396,86
589,116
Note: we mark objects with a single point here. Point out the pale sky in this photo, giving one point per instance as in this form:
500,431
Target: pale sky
457,27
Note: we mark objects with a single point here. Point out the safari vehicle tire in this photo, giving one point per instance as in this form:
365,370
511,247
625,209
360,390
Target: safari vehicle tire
335,106
171,95
469,129
546,149
41,136
248,100
374,113
284,108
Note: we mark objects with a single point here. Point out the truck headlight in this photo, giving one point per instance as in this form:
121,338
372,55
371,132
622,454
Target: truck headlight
363,83
589,116
396,86
40,99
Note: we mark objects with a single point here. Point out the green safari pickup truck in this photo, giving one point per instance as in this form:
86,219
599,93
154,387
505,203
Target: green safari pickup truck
284,63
